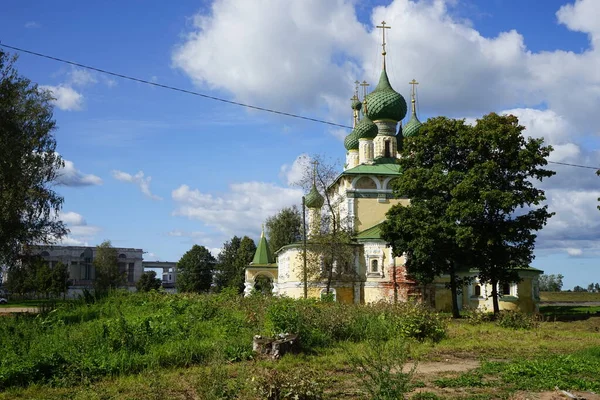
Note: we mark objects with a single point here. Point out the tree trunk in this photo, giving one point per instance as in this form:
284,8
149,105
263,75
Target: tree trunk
494,283
454,291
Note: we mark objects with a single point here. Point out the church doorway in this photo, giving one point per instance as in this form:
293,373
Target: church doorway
264,285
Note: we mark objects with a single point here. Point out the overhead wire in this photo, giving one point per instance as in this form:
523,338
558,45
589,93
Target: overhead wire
206,96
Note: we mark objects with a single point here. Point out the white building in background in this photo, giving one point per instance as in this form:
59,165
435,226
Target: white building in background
80,260
168,276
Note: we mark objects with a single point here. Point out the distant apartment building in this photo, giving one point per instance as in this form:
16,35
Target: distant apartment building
80,260
168,273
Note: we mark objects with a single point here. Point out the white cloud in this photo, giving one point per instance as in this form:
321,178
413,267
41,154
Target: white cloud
293,174
139,180
241,211
71,176
325,48
80,233
81,77
65,97
574,252
32,25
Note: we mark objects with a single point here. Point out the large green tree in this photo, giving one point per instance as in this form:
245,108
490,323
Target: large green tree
29,165
502,211
106,264
473,202
284,228
232,261
195,270
427,232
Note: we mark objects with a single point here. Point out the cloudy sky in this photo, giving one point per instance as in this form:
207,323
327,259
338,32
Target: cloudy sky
161,170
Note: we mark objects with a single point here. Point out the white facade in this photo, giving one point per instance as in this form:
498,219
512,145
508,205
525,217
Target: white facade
80,260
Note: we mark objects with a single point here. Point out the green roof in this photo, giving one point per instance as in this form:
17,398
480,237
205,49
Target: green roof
373,232
351,141
263,255
365,129
412,127
384,103
314,199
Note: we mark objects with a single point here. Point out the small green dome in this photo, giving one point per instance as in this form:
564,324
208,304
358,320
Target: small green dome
314,199
412,127
356,104
384,102
351,141
365,129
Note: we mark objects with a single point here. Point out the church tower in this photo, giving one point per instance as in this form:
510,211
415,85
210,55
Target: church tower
314,202
386,108
414,125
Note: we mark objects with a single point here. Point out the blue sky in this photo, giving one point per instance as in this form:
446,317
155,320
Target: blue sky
161,170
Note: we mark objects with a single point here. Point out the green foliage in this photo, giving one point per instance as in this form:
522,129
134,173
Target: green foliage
578,371
551,283
379,367
123,333
106,265
29,165
195,270
284,228
277,385
517,320
425,396
323,323
473,202
232,262
148,281
35,276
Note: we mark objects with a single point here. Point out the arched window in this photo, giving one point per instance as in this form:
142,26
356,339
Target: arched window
477,290
387,149
122,255
374,266
45,254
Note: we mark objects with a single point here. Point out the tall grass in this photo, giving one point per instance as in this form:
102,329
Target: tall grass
128,333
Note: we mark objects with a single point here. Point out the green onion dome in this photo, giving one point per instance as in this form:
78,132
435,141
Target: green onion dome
314,199
412,127
356,104
351,141
365,129
384,102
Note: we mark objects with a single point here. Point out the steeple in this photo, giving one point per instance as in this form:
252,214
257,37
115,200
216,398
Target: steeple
414,125
383,52
263,255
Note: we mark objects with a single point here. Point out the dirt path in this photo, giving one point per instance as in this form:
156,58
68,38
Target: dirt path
9,310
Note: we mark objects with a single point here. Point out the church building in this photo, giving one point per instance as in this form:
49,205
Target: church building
361,195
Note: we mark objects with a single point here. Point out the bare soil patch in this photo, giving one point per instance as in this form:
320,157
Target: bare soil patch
9,310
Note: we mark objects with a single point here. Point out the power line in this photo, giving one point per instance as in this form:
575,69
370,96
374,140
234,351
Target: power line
131,78
206,96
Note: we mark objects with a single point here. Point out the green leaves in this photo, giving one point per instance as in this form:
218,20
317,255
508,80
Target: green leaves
472,198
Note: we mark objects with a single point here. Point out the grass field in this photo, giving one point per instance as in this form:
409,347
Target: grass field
199,350
569,296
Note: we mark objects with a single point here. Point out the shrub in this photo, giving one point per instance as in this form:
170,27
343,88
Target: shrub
379,367
276,385
517,320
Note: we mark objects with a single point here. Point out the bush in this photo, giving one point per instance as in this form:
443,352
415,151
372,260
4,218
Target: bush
379,367
517,320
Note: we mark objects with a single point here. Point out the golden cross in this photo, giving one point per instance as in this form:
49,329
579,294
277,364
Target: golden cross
383,28
364,85
356,84
414,84
315,163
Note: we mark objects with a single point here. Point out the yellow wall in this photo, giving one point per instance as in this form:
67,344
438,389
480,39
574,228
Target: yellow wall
370,212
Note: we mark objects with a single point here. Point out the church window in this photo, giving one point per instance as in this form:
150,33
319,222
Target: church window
45,254
122,255
374,266
477,290
387,151
505,289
